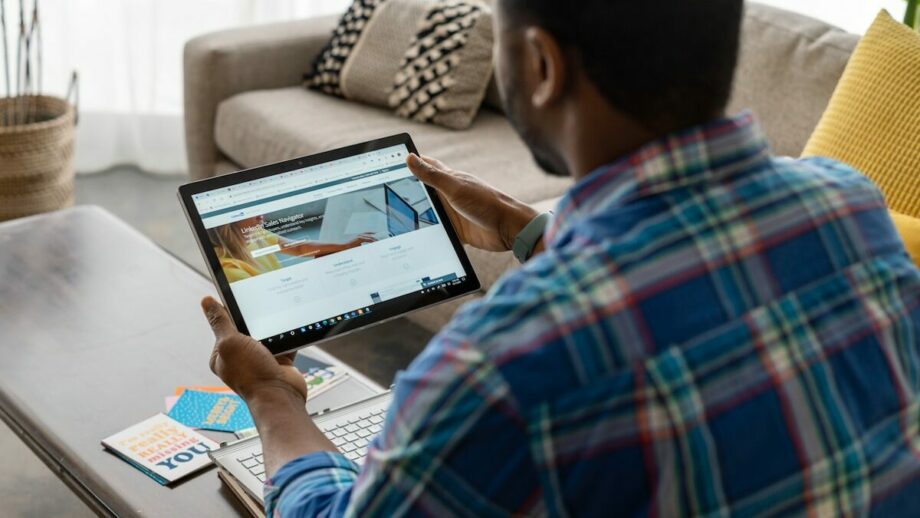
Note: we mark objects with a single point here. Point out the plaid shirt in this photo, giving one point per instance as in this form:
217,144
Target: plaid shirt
711,331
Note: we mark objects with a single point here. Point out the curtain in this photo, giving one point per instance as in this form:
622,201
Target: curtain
129,57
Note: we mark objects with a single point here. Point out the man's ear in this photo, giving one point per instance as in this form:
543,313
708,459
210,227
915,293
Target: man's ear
547,64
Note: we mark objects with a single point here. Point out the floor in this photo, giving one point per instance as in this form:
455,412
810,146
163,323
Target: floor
27,486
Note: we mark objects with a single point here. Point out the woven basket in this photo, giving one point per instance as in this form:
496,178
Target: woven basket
36,159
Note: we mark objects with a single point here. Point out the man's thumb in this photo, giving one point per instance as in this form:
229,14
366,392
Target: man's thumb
218,317
425,171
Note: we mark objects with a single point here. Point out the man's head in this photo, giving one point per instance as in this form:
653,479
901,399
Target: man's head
576,73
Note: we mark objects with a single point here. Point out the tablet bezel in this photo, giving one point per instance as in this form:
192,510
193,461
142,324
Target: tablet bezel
383,311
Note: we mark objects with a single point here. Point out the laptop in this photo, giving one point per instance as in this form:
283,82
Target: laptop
351,429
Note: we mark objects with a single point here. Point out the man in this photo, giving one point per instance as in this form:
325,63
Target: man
704,329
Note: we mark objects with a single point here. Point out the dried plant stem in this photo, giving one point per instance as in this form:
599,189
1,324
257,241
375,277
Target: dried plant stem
36,24
24,83
32,51
19,48
6,50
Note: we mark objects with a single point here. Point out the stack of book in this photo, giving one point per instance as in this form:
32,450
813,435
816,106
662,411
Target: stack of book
167,448
319,381
255,506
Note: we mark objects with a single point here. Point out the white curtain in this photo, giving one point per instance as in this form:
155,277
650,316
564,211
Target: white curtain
129,57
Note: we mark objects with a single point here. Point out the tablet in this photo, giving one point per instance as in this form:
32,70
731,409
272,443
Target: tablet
320,246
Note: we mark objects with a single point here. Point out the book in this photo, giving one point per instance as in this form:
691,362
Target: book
162,449
320,377
170,401
247,433
212,411
203,388
252,505
320,380
303,362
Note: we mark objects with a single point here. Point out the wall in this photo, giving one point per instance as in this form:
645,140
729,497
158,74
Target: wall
852,15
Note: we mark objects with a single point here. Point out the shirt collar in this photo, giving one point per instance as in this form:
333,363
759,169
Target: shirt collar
713,151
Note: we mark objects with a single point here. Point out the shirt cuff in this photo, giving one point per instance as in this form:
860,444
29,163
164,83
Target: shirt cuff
309,482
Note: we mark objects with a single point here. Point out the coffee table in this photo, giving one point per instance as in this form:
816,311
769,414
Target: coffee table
97,325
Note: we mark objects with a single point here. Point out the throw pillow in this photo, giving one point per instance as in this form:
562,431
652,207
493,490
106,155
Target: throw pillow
429,61
909,228
873,119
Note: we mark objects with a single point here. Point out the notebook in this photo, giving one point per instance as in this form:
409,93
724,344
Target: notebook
162,449
212,411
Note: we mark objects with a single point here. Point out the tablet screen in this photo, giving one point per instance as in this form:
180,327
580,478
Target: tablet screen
312,249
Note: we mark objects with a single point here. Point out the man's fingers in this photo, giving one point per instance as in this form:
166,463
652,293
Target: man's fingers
287,359
215,357
218,317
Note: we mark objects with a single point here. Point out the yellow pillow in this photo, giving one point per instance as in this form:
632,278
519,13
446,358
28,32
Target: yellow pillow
909,228
873,120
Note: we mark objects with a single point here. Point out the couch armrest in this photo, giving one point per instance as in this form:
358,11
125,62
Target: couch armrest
223,64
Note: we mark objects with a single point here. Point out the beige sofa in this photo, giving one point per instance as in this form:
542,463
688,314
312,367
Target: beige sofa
245,106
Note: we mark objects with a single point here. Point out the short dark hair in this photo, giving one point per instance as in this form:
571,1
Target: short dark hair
657,61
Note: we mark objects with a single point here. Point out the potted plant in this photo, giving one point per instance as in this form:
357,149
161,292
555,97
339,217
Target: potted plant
912,17
36,130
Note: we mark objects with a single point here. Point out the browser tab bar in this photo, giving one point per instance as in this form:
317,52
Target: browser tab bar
305,178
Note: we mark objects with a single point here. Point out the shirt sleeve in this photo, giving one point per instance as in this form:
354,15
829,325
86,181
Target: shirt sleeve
318,484
453,444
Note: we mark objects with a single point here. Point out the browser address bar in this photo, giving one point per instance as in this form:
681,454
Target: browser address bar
258,192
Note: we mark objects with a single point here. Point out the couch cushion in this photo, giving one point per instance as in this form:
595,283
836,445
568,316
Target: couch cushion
787,71
873,121
262,127
909,228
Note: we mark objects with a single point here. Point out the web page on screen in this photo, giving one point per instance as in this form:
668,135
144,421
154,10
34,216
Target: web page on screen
310,245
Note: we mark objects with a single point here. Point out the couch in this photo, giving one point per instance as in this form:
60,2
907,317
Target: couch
245,106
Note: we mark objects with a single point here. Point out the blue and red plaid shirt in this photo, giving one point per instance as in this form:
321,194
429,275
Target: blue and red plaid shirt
710,331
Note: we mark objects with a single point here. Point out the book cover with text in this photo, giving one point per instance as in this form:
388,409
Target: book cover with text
212,411
162,448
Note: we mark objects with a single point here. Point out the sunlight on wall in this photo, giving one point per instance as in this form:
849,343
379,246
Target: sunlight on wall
852,15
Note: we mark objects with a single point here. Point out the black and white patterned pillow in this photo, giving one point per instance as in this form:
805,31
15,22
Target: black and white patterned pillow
327,69
428,60
430,66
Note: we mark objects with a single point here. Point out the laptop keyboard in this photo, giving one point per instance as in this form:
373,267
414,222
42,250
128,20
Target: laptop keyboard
351,436
255,465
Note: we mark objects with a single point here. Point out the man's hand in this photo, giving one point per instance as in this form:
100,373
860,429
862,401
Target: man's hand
274,391
484,217
244,364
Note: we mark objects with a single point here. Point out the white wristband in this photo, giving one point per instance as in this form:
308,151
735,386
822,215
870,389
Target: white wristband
527,239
